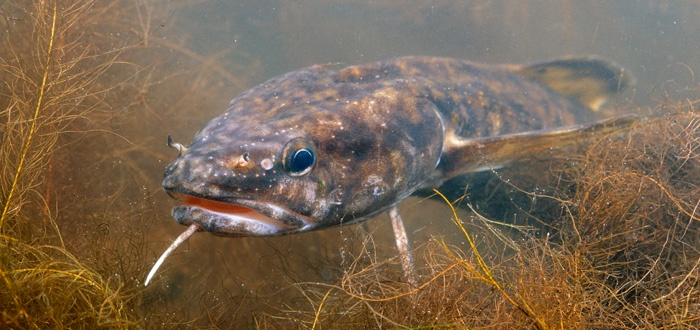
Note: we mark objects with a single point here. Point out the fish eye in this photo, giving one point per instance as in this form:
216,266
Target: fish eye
298,157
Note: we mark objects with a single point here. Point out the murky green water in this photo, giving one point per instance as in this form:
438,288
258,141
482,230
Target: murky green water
190,58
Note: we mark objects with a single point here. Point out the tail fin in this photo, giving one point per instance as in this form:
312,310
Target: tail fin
589,80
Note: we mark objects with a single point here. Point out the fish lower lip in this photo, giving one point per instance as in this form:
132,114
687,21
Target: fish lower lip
211,205
233,219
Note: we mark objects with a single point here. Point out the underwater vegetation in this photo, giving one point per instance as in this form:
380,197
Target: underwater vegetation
50,84
72,196
607,238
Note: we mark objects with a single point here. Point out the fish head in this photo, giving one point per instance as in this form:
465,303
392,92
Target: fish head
266,167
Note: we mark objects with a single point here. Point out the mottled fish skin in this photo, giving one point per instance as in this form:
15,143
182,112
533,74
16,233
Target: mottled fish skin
379,132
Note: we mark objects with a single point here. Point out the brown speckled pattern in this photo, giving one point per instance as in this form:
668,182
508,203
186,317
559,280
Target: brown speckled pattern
378,132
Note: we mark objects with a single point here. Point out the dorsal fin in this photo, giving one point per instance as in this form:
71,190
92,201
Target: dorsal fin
589,80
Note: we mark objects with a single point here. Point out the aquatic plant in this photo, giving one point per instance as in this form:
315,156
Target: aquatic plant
49,84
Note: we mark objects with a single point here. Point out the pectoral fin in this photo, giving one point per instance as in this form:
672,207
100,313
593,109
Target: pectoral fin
590,81
472,155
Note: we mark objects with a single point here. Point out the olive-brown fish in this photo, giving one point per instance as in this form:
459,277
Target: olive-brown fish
316,148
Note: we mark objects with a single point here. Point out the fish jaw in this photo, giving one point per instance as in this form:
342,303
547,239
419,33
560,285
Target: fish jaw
238,217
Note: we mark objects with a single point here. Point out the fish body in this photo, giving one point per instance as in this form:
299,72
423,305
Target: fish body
316,148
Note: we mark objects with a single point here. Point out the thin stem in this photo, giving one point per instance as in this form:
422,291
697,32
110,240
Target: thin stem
33,128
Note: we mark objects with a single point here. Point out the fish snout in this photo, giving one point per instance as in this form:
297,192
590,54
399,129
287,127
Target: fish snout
186,174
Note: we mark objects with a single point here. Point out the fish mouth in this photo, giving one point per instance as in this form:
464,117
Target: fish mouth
236,217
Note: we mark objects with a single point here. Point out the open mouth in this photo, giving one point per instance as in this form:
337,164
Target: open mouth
239,217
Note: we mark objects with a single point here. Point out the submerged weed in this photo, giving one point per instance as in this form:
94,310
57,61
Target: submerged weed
48,86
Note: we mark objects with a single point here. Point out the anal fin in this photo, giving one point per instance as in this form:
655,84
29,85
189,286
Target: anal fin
463,156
